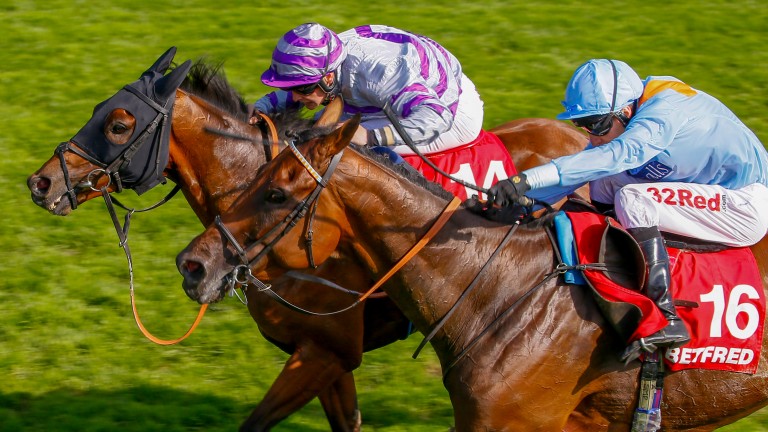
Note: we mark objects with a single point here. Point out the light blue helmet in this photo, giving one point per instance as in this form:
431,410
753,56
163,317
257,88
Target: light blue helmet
600,86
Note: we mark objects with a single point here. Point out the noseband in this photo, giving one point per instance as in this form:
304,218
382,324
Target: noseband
242,275
112,170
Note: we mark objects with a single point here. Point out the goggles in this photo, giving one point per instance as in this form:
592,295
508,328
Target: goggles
305,89
597,125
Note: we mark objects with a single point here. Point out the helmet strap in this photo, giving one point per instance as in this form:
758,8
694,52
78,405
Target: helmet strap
331,90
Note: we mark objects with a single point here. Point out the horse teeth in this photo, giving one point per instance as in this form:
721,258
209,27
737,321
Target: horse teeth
53,205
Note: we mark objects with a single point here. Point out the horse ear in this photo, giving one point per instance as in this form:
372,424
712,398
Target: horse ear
167,85
341,137
331,113
162,63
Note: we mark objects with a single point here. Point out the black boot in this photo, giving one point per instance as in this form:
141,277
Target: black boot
657,288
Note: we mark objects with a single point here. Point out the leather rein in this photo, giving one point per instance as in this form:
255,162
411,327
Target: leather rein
241,275
269,140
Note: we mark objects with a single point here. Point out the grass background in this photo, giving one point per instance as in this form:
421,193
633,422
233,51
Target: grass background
71,358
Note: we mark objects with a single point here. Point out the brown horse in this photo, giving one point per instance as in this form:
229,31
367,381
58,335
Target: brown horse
212,170
549,360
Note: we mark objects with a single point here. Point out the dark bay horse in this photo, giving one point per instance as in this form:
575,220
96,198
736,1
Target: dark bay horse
548,360
212,171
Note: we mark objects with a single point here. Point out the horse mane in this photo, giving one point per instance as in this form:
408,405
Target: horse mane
208,81
411,175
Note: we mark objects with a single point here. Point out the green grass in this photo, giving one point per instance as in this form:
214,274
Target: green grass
70,354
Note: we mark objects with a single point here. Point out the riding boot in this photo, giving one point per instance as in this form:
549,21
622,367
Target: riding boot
657,288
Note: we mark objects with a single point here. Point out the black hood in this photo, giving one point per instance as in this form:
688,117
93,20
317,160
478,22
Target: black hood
139,162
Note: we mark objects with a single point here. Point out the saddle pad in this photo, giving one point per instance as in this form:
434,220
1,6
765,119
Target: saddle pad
725,302
482,162
727,326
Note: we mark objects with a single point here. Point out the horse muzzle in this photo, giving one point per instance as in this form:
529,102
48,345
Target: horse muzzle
201,281
46,195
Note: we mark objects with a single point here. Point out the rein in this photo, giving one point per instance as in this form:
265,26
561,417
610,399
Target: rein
112,171
530,202
242,275
409,142
415,249
122,233
269,137
559,269
467,290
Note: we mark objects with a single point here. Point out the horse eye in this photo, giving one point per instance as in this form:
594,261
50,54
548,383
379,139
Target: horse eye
119,128
276,196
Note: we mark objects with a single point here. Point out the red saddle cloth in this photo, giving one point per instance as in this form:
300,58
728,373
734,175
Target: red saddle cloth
482,162
722,292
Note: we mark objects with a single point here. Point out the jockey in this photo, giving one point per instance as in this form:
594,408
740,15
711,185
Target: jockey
669,158
369,66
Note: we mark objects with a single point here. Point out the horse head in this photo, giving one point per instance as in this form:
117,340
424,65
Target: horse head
124,144
261,219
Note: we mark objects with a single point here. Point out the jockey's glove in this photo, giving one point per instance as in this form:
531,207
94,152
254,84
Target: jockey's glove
506,215
511,191
254,115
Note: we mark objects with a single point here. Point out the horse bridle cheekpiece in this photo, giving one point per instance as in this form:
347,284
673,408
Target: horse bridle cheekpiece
139,163
241,274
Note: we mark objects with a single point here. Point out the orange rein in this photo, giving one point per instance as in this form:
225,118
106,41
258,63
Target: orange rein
270,125
275,149
122,234
436,227
157,340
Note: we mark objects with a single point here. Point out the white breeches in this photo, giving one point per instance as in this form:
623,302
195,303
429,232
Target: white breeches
467,123
707,212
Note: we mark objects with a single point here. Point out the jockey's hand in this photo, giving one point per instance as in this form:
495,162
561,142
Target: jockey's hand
511,191
254,115
506,215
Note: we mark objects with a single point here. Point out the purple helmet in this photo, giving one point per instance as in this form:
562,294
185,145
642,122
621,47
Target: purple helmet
303,56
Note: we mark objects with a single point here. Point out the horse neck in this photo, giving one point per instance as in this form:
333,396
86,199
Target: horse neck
211,169
388,214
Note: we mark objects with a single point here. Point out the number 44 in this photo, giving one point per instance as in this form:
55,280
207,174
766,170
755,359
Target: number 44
731,311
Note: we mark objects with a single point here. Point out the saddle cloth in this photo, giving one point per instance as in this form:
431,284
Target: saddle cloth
482,162
719,295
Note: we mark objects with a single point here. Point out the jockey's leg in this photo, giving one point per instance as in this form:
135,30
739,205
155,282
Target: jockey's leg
603,191
657,288
467,124
706,212
711,213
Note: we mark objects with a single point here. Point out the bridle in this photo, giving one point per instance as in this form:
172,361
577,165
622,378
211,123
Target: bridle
112,171
241,275
269,136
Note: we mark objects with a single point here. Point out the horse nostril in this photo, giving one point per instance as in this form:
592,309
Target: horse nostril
193,271
43,184
192,266
39,185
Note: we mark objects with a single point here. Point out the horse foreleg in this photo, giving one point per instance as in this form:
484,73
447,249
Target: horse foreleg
309,371
340,404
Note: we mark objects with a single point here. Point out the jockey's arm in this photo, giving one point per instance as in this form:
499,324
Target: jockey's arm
423,125
274,102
